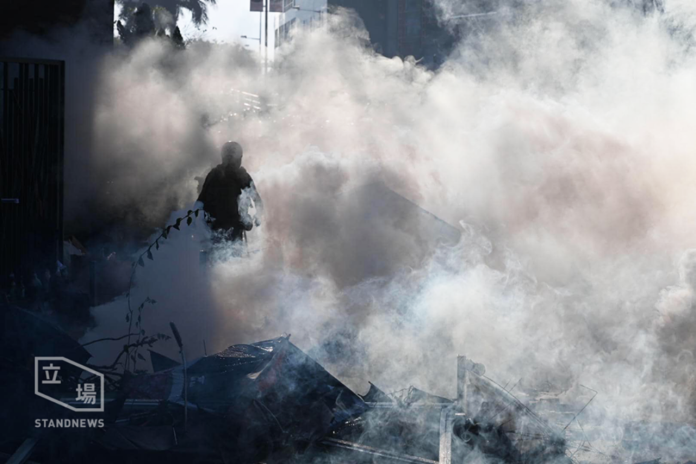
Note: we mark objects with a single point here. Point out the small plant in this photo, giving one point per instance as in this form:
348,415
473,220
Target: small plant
134,317
112,369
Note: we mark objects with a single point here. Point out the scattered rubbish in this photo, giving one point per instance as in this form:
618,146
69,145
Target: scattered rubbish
270,402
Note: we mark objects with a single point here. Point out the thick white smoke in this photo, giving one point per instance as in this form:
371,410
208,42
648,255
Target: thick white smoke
561,136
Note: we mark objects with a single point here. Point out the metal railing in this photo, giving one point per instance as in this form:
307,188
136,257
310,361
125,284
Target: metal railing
31,166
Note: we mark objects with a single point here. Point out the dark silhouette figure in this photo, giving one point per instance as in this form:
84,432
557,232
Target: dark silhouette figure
225,195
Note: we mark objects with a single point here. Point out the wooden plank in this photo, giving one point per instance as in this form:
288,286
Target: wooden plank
376,451
446,425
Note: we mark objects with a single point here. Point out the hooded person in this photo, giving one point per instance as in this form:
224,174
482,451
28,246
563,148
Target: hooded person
225,194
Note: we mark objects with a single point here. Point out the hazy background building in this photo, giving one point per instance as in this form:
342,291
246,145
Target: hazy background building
396,27
415,27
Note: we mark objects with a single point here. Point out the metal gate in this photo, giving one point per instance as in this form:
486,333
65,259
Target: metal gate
32,97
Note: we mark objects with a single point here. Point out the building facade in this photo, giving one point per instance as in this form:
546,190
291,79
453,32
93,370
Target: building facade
396,27
32,119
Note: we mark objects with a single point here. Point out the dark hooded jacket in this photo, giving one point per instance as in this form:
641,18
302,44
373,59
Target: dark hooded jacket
220,196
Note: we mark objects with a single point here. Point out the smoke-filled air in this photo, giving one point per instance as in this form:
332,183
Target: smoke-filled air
558,141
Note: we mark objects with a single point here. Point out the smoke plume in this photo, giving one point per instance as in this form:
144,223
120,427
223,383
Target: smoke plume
558,139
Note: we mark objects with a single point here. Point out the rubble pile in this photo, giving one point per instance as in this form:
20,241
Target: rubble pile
265,402
270,402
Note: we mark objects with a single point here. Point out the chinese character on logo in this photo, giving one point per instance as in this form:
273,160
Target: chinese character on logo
88,396
49,373
49,380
